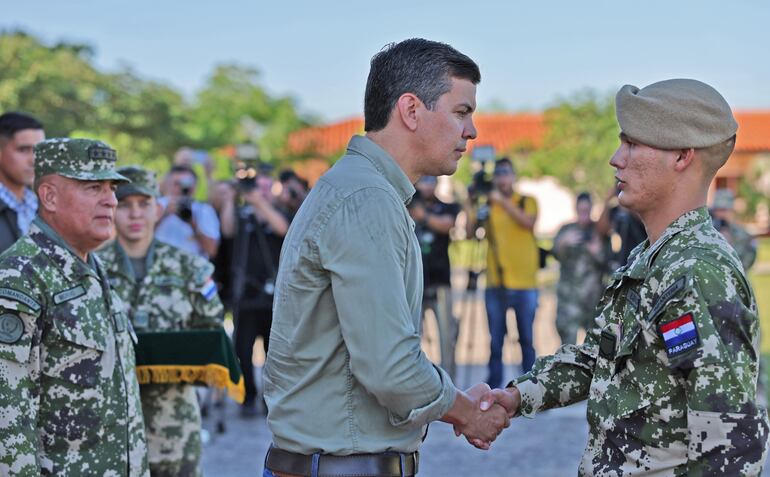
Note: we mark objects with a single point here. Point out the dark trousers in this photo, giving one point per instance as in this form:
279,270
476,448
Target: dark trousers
251,323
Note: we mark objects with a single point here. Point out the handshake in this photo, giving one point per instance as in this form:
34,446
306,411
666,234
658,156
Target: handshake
481,413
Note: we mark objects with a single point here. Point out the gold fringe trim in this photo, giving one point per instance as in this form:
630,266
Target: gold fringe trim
214,375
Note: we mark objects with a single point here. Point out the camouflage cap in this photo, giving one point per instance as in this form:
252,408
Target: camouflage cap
143,182
80,159
723,199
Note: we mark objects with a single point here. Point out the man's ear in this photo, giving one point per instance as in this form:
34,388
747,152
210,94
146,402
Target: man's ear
406,109
684,160
48,195
158,212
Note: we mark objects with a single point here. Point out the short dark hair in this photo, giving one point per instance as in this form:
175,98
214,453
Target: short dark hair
504,161
177,168
417,66
13,122
584,196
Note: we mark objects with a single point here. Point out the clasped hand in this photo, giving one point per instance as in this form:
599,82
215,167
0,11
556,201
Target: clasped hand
492,412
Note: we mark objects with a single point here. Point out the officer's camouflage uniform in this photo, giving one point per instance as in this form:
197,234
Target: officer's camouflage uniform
659,405
170,297
580,284
69,399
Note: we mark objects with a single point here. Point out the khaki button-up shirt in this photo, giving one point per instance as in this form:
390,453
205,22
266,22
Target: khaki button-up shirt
345,373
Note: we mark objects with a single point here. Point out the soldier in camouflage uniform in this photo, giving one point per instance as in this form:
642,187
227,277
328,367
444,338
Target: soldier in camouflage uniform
162,288
670,369
69,398
722,211
583,255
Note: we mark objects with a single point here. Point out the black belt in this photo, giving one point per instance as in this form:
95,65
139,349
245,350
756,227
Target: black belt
387,464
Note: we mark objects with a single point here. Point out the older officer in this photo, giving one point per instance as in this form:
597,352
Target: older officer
670,371
69,398
163,288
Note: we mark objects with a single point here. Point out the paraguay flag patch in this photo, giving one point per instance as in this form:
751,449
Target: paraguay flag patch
679,335
209,289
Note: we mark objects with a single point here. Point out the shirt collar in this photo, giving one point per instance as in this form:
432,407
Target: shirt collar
123,261
58,240
687,221
385,165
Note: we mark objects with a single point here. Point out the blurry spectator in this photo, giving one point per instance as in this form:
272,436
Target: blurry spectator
293,191
583,254
628,227
223,195
18,204
187,224
257,237
723,217
512,263
433,221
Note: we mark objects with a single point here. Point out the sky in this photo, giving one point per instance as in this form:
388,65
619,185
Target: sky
531,54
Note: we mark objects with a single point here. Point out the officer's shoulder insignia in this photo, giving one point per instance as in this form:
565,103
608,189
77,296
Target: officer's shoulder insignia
69,294
11,328
679,335
21,297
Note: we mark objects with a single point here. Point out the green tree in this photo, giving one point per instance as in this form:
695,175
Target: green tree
581,136
56,84
233,108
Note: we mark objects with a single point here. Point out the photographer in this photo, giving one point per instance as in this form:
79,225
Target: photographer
433,221
723,218
257,237
293,191
187,224
512,263
583,255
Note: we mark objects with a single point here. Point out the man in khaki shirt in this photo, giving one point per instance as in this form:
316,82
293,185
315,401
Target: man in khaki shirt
345,375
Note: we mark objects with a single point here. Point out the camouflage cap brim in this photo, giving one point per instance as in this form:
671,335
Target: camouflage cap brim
95,176
124,190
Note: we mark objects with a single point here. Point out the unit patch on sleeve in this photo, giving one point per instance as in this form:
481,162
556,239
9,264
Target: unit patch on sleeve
11,328
679,335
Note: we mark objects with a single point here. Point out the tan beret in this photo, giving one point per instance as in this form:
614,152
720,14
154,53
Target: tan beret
675,114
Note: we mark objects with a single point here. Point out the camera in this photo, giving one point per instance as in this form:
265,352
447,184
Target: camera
247,179
184,204
718,223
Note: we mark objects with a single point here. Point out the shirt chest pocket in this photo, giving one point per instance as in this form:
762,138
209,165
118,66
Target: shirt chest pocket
76,347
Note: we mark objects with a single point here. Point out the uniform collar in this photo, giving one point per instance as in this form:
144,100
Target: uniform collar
59,250
644,254
385,165
122,263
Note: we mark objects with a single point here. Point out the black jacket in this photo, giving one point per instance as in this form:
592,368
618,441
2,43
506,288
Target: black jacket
9,229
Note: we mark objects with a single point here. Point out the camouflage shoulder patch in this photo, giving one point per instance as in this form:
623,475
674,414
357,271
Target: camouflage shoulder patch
679,335
67,295
20,297
11,328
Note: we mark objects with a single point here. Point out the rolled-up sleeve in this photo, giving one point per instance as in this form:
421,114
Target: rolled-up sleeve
366,247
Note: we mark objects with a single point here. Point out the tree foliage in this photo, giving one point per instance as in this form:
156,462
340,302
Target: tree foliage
146,121
581,136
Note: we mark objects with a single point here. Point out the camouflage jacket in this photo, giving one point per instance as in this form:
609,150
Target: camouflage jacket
744,244
670,369
69,399
176,293
580,273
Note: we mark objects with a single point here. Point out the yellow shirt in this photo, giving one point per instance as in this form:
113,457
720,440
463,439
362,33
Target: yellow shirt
511,246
